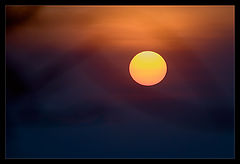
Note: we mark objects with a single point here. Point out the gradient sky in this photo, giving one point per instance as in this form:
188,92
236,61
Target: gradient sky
69,92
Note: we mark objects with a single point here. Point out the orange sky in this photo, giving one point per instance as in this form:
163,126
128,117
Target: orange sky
130,27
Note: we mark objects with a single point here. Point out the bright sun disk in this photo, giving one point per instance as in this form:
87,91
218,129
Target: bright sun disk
148,68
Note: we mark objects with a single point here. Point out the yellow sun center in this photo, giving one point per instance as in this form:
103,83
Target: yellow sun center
148,68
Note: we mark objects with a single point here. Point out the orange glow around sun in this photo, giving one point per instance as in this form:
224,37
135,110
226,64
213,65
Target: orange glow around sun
148,68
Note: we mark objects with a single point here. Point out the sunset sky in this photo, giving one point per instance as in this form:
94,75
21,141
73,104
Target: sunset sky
70,94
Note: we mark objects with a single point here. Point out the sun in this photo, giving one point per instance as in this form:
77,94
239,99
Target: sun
148,68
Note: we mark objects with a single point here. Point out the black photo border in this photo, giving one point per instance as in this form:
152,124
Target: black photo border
4,3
